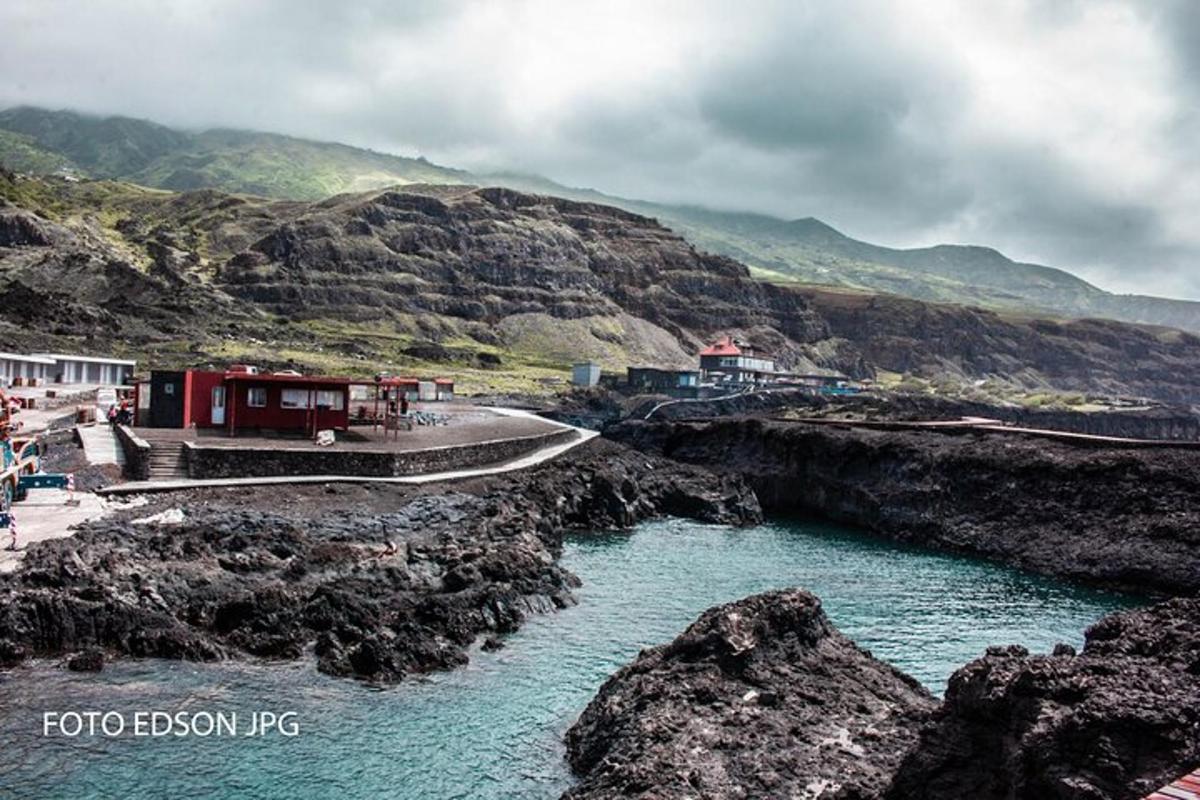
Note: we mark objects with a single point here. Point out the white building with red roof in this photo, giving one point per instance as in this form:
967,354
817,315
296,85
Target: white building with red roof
732,362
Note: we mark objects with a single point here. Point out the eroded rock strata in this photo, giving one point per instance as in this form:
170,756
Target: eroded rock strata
761,698
374,595
480,276
1126,518
1117,721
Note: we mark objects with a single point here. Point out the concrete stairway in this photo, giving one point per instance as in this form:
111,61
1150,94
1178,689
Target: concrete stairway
100,444
167,461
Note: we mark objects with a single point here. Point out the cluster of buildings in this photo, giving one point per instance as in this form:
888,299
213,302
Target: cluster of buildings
726,366
243,397
45,369
239,398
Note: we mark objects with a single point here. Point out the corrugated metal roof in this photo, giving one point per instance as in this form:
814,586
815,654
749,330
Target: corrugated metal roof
305,379
91,359
31,359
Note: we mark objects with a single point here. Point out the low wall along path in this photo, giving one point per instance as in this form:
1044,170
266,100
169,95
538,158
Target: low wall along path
223,465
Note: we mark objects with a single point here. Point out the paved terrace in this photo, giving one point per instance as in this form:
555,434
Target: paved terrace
58,410
48,515
466,424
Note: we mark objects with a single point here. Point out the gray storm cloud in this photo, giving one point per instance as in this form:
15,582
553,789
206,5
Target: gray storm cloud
1059,132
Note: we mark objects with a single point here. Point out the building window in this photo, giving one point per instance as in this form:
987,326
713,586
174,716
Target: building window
256,397
331,399
294,398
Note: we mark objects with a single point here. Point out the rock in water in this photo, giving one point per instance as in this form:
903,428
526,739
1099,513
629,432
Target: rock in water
1113,723
762,698
90,660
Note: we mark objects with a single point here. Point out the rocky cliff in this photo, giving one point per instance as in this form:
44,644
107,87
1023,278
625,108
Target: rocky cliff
1089,355
1119,517
482,256
491,278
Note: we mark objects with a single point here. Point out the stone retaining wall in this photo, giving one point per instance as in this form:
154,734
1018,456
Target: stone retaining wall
137,453
236,462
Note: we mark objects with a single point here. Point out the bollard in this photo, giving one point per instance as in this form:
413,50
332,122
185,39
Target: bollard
12,531
71,499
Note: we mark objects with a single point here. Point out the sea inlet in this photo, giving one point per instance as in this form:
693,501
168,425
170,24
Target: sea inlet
494,728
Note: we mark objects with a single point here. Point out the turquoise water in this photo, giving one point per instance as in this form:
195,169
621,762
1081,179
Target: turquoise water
494,729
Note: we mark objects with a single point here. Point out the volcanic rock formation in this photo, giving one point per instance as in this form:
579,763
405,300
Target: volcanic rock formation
761,698
1117,721
1121,517
378,594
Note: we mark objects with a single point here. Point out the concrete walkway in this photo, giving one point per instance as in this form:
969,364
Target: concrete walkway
100,444
993,426
46,515
530,460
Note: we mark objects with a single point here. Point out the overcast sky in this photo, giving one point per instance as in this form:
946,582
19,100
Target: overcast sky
1059,132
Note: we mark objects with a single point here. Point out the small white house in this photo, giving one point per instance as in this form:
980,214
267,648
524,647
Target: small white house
585,374
88,369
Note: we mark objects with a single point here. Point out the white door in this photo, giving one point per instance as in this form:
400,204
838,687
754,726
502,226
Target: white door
218,405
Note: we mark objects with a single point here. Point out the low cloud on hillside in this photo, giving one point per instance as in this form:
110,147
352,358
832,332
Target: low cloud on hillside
1061,132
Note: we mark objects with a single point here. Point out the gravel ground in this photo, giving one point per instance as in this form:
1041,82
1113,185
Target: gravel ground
63,454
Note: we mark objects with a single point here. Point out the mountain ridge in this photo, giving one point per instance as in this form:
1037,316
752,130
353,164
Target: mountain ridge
501,289
804,250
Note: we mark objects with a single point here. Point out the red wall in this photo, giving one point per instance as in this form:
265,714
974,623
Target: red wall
197,408
272,416
198,398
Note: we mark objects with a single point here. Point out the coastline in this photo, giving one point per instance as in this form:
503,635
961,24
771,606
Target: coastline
1113,517
377,582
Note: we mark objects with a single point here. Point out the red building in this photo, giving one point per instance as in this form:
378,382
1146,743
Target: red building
242,399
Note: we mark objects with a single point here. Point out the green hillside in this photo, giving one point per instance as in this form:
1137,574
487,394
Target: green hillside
143,152
21,152
281,166
801,251
104,147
